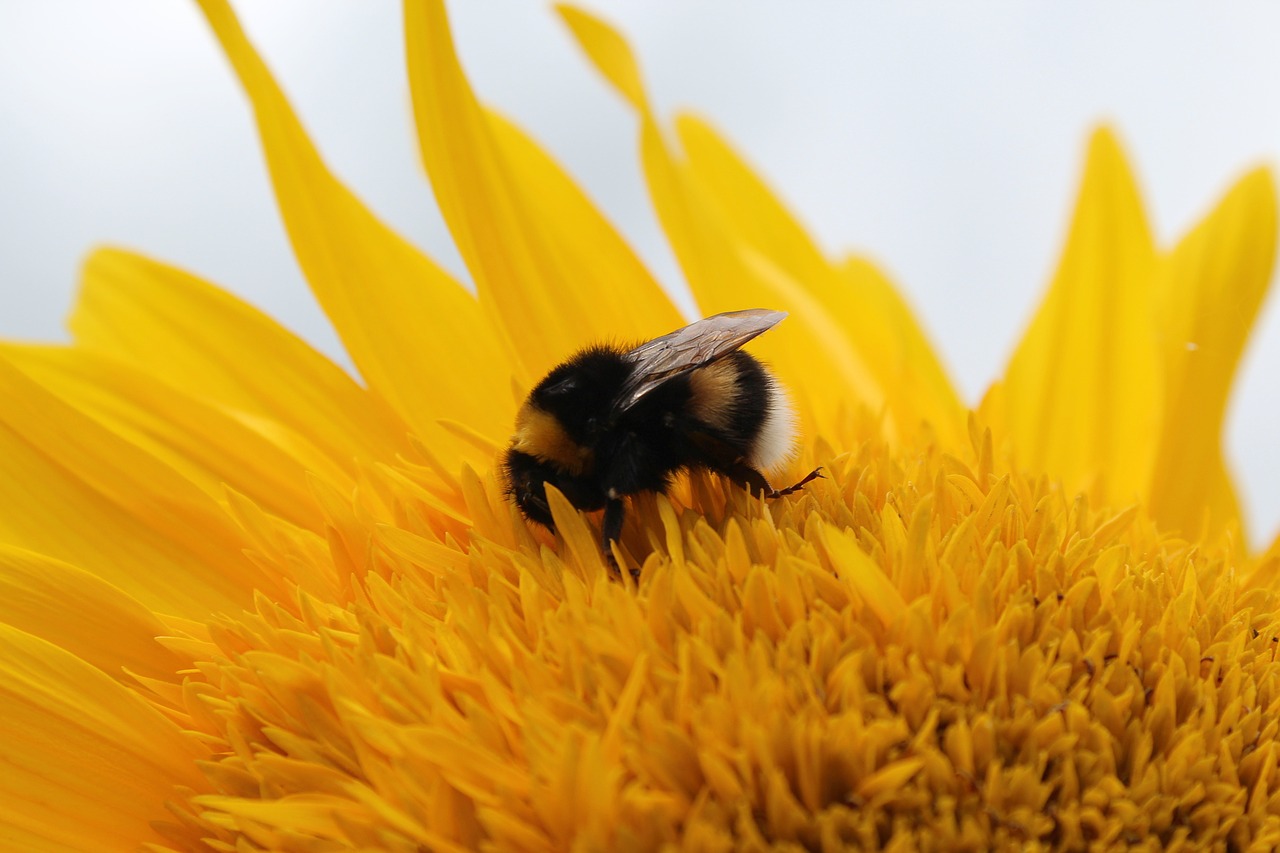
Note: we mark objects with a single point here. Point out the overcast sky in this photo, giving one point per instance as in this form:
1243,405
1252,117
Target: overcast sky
943,140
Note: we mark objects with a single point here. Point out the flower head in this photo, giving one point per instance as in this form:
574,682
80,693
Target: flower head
251,603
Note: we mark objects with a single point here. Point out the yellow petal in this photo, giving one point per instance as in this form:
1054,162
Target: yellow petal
1081,396
875,320
809,351
918,390
398,314
748,206
317,815
889,777
86,764
739,247
75,491
609,52
861,574
726,273
171,324
82,614
1207,299
206,443
588,248
544,260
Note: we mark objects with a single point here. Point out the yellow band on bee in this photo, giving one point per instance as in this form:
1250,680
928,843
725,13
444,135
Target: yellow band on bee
540,435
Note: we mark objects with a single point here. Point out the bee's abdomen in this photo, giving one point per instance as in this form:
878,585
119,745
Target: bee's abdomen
739,401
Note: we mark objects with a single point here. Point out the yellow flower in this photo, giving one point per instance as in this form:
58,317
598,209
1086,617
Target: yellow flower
247,603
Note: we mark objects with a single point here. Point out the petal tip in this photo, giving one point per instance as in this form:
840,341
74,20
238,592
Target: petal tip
608,50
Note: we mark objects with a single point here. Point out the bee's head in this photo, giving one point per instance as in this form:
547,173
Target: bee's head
559,423
579,394
557,430
527,479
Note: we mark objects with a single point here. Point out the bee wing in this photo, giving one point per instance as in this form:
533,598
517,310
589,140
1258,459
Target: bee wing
696,345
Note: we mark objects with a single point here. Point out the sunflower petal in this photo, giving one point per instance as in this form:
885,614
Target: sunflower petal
919,392
726,274
739,247
175,326
748,206
544,260
205,443
1210,289
75,491
589,248
1080,398
398,314
87,764
861,574
82,614
728,271
608,51
862,300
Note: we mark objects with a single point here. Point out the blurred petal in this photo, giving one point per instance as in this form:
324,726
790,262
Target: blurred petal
917,388
183,330
82,614
724,271
748,206
87,764
590,251
399,315
1209,291
1081,396
739,247
530,238
609,52
856,294
207,444
74,490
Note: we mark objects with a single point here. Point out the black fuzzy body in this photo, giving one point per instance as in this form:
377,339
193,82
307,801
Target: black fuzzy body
640,448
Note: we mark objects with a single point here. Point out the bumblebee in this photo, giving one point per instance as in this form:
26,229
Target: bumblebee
611,422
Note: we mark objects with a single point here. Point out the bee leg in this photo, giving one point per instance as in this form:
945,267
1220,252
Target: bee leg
812,475
747,476
613,512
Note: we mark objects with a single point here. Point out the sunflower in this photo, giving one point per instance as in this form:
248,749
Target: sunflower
248,602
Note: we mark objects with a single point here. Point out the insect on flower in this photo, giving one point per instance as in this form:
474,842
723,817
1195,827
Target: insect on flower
612,422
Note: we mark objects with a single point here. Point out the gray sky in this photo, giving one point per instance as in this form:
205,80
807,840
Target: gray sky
944,140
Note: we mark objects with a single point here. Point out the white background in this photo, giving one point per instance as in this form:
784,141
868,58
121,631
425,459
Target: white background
944,140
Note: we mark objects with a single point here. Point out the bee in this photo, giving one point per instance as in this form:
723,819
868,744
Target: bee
612,422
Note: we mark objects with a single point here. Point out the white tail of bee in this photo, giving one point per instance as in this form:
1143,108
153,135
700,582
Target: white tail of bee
776,443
